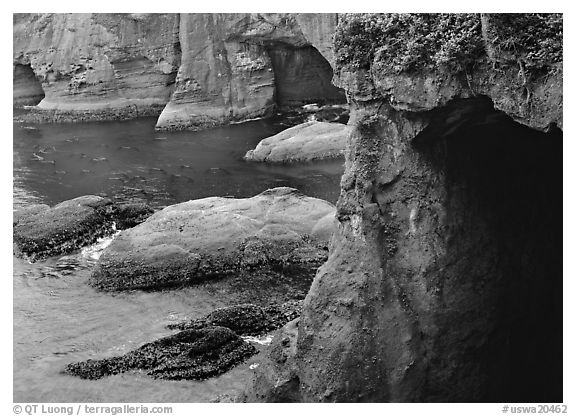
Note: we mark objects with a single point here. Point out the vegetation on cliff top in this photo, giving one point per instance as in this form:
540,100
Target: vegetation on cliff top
454,42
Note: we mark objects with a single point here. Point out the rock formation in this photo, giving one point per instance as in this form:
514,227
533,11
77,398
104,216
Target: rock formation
204,348
194,70
99,66
40,231
444,279
277,230
247,319
193,354
304,142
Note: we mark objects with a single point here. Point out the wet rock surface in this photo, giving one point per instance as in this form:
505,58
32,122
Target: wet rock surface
128,215
41,231
204,348
247,319
279,230
305,142
190,354
276,379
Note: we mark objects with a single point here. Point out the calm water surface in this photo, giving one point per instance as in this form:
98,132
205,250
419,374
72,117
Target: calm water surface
59,319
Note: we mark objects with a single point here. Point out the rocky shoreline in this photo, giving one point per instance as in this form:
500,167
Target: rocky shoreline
193,354
40,231
35,115
289,237
203,348
192,70
437,277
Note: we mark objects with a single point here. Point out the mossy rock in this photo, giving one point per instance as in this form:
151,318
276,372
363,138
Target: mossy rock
279,230
193,354
247,319
40,231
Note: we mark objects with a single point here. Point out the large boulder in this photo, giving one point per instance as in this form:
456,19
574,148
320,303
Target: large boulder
40,231
277,230
304,142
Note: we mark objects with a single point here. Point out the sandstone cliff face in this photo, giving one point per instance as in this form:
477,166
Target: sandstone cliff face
239,66
444,280
197,70
99,65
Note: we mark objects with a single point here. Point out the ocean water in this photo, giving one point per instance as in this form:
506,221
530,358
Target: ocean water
59,319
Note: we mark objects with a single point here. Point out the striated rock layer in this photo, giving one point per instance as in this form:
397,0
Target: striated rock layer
239,66
194,70
444,279
95,66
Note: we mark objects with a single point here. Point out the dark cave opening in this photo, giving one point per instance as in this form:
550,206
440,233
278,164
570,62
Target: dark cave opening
302,76
502,193
27,90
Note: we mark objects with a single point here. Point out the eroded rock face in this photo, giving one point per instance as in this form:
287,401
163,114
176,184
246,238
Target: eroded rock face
302,76
304,142
195,70
212,237
40,231
99,66
448,255
231,70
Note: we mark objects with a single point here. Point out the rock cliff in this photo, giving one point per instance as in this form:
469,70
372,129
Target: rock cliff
444,279
194,70
99,66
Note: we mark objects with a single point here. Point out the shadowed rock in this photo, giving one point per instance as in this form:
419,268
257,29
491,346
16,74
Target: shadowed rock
304,142
279,229
444,281
191,354
40,231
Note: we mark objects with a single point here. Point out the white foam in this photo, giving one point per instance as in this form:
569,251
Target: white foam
94,251
264,340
